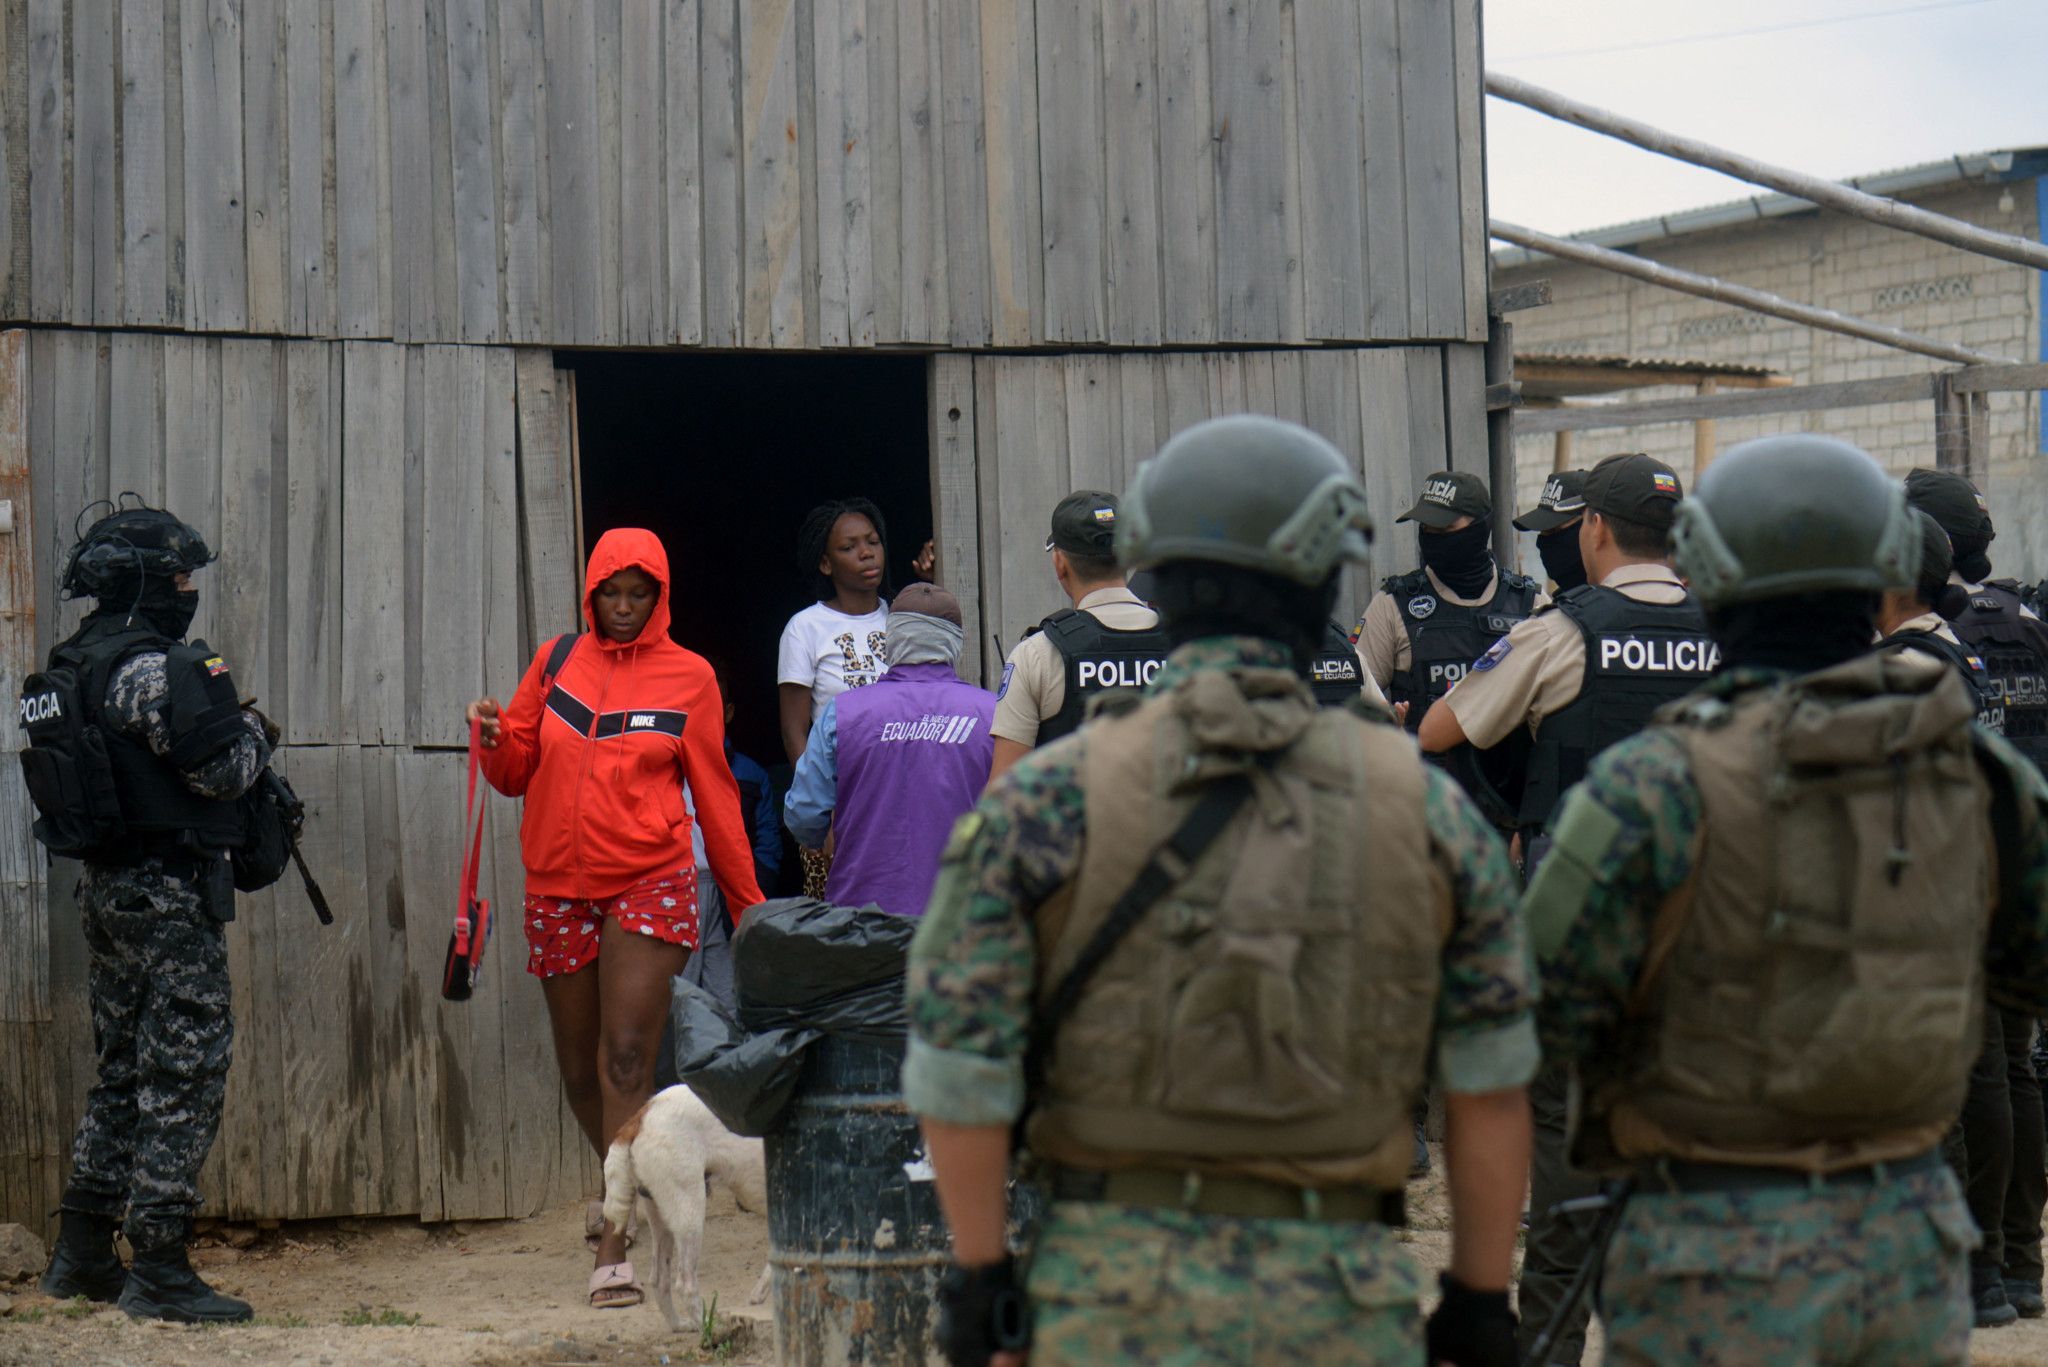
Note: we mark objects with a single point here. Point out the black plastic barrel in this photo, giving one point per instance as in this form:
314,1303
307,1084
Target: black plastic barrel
857,1241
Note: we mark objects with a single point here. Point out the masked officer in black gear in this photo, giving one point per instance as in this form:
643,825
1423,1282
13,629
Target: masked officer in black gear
1917,619
1578,677
1424,629
138,753
1555,520
1993,621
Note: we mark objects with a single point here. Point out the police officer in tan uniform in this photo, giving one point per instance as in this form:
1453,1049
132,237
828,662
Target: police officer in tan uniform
1109,638
1580,676
1555,520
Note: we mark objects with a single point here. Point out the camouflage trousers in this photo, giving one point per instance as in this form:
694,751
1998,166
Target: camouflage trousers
1111,1283
1797,1276
163,1028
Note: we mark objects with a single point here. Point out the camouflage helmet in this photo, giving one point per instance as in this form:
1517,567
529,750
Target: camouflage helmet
129,545
1794,514
1251,492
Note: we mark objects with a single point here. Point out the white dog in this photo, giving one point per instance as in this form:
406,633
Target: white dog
666,1157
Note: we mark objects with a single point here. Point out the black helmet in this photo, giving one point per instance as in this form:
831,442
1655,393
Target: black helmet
1253,492
129,546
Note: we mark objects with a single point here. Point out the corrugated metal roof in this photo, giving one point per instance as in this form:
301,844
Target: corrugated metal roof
1659,364
2015,163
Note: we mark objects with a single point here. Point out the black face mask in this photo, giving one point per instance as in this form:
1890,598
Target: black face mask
1801,634
159,603
1560,552
1460,559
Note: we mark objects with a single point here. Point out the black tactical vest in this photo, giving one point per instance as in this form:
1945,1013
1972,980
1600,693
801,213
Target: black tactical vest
1334,674
105,795
1444,638
1639,656
1958,657
2014,649
1096,658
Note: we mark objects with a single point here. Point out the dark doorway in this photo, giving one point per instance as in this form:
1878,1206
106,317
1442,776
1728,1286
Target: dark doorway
721,456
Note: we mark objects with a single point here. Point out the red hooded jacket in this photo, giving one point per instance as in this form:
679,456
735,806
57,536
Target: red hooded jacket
602,759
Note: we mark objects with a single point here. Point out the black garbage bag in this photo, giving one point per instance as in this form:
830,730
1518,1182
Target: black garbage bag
802,969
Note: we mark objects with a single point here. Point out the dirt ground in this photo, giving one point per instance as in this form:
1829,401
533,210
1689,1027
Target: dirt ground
510,1294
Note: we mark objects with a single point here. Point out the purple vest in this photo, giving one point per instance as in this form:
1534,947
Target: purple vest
914,753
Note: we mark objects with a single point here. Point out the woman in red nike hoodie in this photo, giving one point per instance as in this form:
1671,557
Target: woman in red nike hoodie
601,753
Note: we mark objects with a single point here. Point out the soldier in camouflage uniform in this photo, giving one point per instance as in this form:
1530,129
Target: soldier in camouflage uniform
153,900
1221,1109
1767,934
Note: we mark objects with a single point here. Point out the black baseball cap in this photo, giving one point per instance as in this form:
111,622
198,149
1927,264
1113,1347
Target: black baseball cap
1563,501
1952,501
1634,487
1447,496
1084,523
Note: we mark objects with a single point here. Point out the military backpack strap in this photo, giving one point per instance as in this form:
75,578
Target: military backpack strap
1168,865
1672,918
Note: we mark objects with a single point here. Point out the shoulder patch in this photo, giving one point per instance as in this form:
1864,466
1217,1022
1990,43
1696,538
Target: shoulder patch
1495,653
1004,687
1421,606
215,665
964,832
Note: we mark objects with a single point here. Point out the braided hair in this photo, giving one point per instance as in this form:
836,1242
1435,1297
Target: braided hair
817,530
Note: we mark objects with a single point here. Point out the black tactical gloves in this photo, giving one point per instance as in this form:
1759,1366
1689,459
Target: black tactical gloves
982,1312
1471,1328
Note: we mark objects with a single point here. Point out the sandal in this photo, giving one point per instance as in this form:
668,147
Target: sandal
593,1224
612,1287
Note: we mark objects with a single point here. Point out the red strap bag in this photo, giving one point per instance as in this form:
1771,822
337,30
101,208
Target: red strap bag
465,962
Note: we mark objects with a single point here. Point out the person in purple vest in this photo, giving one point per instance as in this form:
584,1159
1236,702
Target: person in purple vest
889,768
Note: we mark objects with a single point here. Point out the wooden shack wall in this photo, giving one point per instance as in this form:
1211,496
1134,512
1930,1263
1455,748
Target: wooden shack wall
746,173
395,534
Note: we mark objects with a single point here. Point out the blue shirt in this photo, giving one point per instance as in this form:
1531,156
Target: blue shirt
815,790
761,824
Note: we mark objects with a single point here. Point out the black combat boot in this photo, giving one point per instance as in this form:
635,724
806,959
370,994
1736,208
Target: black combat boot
163,1286
2025,1297
84,1262
1987,1296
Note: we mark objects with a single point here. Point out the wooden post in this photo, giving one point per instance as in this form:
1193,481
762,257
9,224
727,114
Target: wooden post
1951,426
1560,451
1703,433
1500,441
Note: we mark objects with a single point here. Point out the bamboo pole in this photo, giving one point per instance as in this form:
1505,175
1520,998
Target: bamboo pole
1742,296
1890,213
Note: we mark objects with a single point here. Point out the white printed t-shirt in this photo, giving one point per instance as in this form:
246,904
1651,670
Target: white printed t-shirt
828,651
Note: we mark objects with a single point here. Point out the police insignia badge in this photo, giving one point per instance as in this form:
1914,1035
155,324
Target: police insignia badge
216,666
1421,605
1495,653
1004,686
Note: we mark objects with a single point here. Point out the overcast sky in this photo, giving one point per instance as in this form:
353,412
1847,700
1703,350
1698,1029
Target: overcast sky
1892,83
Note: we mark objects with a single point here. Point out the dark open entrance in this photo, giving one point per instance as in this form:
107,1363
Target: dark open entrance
721,456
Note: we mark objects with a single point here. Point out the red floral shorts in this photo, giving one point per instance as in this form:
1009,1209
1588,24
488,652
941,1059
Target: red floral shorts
562,933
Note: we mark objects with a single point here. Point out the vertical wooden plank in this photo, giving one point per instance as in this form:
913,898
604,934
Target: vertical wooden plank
546,497
79,367
216,247
921,207
606,245
1465,412
192,458
1139,391
570,51
383,1065
532,1132
1428,437
964,185
719,99
362,183
371,481
1261,390
1429,141
143,300
643,180
413,264
1329,101
846,302
1094,415
49,200
313,535
1225,371
451,547
684,155
1130,83
771,181
524,177
27,1131
497,452
1187,174
1329,382
1009,85
955,504
429,845
1186,392
988,502
309,118
95,217
1029,415
475,186
1258,239
135,416
1470,92
265,154
1071,170
249,553
14,196
1386,176
1392,467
